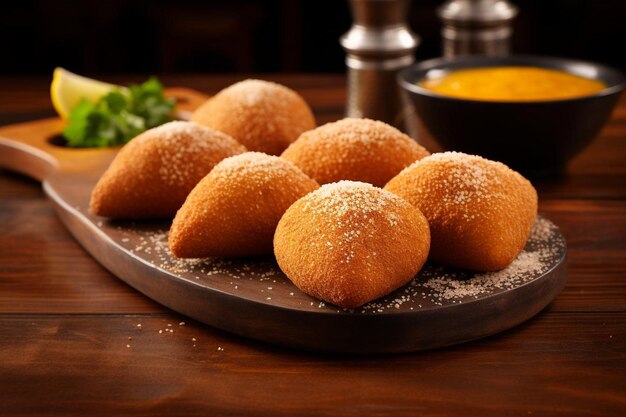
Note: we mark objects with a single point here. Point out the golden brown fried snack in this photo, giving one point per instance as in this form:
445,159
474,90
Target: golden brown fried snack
349,243
354,149
234,210
151,176
480,212
262,115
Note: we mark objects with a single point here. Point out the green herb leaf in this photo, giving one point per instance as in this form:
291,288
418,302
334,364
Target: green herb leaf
119,116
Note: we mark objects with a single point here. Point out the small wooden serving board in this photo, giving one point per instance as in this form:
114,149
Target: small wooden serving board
252,297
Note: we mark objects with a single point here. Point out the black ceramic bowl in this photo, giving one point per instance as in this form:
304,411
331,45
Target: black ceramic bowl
536,138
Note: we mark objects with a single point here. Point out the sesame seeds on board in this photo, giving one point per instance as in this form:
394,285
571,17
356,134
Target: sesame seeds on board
260,280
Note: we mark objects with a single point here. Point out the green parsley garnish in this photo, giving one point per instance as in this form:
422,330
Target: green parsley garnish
118,116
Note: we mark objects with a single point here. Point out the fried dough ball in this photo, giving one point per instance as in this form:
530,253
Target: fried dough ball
234,210
480,212
349,243
152,174
354,149
262,115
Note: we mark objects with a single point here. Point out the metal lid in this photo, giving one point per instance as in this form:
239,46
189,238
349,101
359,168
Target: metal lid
379,27
477,11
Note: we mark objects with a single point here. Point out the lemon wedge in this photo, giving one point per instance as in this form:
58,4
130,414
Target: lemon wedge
67,89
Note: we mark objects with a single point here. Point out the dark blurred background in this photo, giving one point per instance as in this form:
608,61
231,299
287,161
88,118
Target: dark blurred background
242,36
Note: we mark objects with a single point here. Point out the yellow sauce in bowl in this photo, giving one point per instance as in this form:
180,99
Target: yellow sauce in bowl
512,84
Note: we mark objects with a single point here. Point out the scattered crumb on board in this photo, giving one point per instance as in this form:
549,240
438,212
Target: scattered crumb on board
434,286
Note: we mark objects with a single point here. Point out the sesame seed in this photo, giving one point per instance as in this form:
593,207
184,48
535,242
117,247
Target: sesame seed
434,285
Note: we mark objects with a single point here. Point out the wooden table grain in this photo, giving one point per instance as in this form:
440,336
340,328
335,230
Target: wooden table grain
74,340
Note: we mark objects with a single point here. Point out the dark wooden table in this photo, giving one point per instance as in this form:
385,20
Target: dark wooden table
74,340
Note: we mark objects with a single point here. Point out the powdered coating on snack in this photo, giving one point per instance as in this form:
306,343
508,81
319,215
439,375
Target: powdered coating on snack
480,211
234,210
180,142
348,243
354,149
347,206
262,115
252,91
258,166
472,176
152,175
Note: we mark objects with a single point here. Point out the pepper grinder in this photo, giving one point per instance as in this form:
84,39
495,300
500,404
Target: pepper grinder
378,45
476,27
